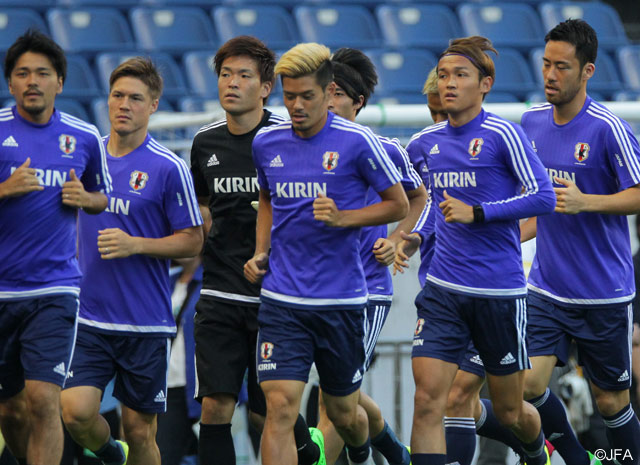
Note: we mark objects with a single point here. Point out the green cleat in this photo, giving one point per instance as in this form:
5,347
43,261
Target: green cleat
547,455
593,460
318,438
409,450
124,447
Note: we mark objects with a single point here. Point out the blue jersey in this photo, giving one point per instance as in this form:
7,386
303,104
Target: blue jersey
312,264
152,196
490,162
377,275
584,259
38,233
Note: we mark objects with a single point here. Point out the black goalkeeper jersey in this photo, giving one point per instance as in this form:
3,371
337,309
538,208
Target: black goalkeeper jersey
223,170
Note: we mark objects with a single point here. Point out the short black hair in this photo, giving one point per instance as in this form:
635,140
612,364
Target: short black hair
579,34
355,73
36,42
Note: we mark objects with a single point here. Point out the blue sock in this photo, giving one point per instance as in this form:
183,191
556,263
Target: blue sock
623,432
557,429
111,452
534,451
489,427
390,446
359,454
460,434
428,459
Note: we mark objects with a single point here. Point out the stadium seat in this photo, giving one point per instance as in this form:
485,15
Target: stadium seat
122,5
73,107
401,72
515,25
201,76
174,85
198,104
15,21
283,3
173,30
198,3
429,26
629,60
89,30
4,87
338,26
501,97
81,82
626,96
602,17
513,73
39,5
272,24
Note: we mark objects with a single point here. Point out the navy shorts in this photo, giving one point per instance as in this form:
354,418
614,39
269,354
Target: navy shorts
377,312
36,341
448,321
471,362
290,340
602,335
139,364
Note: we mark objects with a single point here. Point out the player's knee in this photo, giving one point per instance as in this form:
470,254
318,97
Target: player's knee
218,409
257,421
507,415
280,407
13,412
139,433
428,404
342,418
460,400
533,388
611,402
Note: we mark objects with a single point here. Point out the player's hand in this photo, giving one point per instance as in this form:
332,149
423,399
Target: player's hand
115,243
405,249
570,199
456,211
22,181
325,210
73,193
384,250
256,268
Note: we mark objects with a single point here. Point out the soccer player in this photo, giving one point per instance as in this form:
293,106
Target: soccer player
475,286
581,284
125,319
51,165
314,172
355,77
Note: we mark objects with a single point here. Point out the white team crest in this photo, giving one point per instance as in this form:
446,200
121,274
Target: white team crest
582,151
475,146
67,143
266,350
138,180
330,160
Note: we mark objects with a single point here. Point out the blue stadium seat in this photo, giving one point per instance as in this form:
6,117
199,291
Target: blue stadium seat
174,85
629,60
4,87
198,3
338,26
501,97
602,17
430,26
515,25
73,107
197,104
201,76
15,21
88,30
284,3
513,73
271,24
173,29
39,5
122,5
626,96
401,72
81,82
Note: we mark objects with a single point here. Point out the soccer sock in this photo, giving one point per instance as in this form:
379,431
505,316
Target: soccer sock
359,454
388,444
428,459
534,451
215,445
489,427
460,434
308,451
111,453
623,432
557,429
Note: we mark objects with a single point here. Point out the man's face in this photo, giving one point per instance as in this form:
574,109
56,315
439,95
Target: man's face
563,77
307,103
438,115
34,84
130,106
459,85
342,105
239,87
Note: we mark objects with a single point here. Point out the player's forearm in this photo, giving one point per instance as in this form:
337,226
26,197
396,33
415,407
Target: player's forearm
528,229
181,244
206,216
417,201
94,203
626,202
263,224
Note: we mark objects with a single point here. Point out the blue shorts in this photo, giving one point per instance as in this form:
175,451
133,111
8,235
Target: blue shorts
471,362
377,312
290,340
139,364
36,341
448,321
602,335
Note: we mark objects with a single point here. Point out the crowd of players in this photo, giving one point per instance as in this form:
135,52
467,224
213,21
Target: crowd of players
90,224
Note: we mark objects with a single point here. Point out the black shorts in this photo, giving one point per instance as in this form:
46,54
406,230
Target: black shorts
226,334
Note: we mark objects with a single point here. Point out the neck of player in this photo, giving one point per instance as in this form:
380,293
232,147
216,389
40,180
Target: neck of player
565,112
242,123
120,145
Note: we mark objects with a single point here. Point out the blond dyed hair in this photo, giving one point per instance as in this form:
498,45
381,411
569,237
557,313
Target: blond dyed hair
431,84
304,60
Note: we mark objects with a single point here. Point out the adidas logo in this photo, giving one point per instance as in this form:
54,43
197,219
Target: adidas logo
357,377
10,142
507,359
276,162
624,376
477,360
213,161
160,397
434,150
60,369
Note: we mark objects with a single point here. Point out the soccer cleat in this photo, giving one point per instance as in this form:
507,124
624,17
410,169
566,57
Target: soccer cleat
409,450
593,460
125,450
550,447
547,455
318,439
